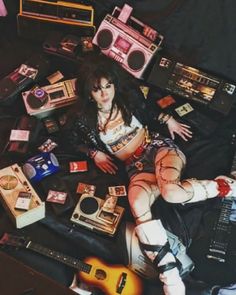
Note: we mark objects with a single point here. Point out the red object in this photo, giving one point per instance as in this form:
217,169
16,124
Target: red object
137,154
223,187
166,101
78,166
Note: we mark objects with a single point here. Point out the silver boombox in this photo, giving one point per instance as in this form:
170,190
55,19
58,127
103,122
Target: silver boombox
42,101
127,40
89,213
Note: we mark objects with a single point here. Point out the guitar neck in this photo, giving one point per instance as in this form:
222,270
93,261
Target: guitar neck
93,271
75,263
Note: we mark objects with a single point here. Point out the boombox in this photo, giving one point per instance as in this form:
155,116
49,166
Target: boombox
121,38
89,213
40,166
193,84
19,198
70,11
43,101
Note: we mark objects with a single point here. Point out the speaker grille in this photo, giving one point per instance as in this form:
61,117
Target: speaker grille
29,170
54,160
136,60
8,182
104,39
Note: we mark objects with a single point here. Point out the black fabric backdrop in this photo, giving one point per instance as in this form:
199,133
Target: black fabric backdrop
198,33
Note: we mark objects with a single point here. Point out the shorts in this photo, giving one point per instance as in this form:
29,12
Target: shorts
146,162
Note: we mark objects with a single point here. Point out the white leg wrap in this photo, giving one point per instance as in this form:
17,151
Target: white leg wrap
201,190
153,233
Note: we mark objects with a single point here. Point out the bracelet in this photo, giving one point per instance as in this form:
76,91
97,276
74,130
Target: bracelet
168,119
223,187
163,118
92,153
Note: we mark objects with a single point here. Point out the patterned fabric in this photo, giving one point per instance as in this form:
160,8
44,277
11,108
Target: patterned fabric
146,163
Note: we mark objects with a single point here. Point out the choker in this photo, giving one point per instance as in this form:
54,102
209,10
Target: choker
105,111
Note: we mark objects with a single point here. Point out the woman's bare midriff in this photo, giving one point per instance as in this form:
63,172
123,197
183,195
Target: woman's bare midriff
128,150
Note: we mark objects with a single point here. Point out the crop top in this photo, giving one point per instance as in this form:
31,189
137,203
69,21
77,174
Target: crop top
117,135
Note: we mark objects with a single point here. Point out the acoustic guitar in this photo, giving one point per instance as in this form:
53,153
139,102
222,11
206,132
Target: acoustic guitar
111,279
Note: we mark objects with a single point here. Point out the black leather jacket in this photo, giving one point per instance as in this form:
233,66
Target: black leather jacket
82,133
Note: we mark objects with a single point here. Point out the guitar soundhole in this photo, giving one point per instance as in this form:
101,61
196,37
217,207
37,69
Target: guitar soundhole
100,274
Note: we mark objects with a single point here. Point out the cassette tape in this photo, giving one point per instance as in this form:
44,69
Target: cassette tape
89,213
13,184
41,102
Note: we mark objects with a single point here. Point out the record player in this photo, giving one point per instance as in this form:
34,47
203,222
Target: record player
91,214
19,198
42,101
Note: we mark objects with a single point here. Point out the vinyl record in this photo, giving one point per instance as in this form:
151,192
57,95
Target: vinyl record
89,205
37,98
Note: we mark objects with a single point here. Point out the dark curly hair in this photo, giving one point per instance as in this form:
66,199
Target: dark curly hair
92,70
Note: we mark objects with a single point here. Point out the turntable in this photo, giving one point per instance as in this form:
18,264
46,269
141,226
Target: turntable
15,192
90,213
41,102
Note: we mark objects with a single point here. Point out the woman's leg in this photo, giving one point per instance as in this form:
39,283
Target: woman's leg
169,164
142,193
151,234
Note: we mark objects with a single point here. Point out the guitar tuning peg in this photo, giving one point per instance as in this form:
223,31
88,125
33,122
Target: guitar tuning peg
233,139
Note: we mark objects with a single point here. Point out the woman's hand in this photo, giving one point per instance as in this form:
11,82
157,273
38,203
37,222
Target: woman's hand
181,129
105,163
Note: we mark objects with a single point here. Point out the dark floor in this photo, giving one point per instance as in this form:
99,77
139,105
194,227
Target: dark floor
25,280
201,34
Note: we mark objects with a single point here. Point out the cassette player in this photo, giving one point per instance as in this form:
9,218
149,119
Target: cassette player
61,11
193,84
43,101
40,166
127,40
19,198
91,214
